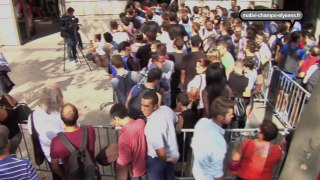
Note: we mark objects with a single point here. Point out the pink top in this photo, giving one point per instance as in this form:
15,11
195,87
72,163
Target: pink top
132,147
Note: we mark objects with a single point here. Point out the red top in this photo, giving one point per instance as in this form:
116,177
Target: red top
258,160
132,147
309,62
59,151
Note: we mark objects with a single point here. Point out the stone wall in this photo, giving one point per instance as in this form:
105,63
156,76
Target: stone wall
95,15
9,33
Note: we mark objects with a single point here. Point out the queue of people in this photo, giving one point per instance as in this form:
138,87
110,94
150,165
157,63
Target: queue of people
173,68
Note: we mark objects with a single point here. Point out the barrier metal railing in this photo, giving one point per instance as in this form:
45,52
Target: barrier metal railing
287,97
106,135
267,76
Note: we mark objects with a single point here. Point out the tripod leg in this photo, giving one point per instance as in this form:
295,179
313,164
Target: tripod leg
64,55
84,57
78,56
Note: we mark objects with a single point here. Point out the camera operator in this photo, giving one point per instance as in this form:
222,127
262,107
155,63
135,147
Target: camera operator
69,27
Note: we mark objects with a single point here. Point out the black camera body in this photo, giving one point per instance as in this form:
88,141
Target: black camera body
68,26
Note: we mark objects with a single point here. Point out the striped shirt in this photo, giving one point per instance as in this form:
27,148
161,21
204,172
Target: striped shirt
17,169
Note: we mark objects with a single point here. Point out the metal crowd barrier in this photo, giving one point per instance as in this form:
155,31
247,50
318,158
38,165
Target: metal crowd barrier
287,97
267,76
106,135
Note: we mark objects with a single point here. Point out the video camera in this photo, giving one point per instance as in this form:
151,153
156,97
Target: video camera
68,25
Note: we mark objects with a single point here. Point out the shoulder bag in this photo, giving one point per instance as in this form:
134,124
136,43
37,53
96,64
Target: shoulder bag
38,153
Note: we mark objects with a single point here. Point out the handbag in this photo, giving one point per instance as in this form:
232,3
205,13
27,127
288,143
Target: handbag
38,152
22,112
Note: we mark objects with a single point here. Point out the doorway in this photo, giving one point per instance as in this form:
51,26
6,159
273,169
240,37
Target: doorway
36,18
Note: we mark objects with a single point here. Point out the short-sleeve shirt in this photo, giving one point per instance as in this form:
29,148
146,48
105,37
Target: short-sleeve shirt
160,132
228,62
119,37
178,30
59,151
308,63
17,168
100,47
264,52
177,59
129,64
199,82
258,160
238,83
252,77
209,149
189,66
132,147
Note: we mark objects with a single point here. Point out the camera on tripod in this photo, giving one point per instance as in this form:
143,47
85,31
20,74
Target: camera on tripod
69,24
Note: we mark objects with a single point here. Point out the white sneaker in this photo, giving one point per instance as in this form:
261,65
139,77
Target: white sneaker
72,64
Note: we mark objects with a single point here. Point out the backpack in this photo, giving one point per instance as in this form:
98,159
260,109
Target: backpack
290,62
124,86
278,44
209,43
113,69
143,75
80,164
239,106
239,110
134,106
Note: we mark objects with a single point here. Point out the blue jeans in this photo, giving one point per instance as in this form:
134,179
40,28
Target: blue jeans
159,169
71,49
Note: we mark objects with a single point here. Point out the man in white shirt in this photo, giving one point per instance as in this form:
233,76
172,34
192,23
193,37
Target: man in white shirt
117,33
208,143
161,138
238,41
264,56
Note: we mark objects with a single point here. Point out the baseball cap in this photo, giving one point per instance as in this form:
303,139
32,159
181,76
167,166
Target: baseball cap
4,137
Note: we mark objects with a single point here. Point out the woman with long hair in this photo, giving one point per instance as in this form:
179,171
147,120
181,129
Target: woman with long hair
46,118
197,85
216,85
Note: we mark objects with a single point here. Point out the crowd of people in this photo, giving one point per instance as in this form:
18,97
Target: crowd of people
172,67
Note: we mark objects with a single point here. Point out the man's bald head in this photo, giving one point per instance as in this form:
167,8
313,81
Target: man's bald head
69,114
315,51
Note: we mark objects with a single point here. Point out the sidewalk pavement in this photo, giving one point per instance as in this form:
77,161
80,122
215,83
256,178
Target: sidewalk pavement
41,61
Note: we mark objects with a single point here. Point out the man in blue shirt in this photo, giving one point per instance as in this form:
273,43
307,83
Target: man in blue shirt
297,55
11,167
208,143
